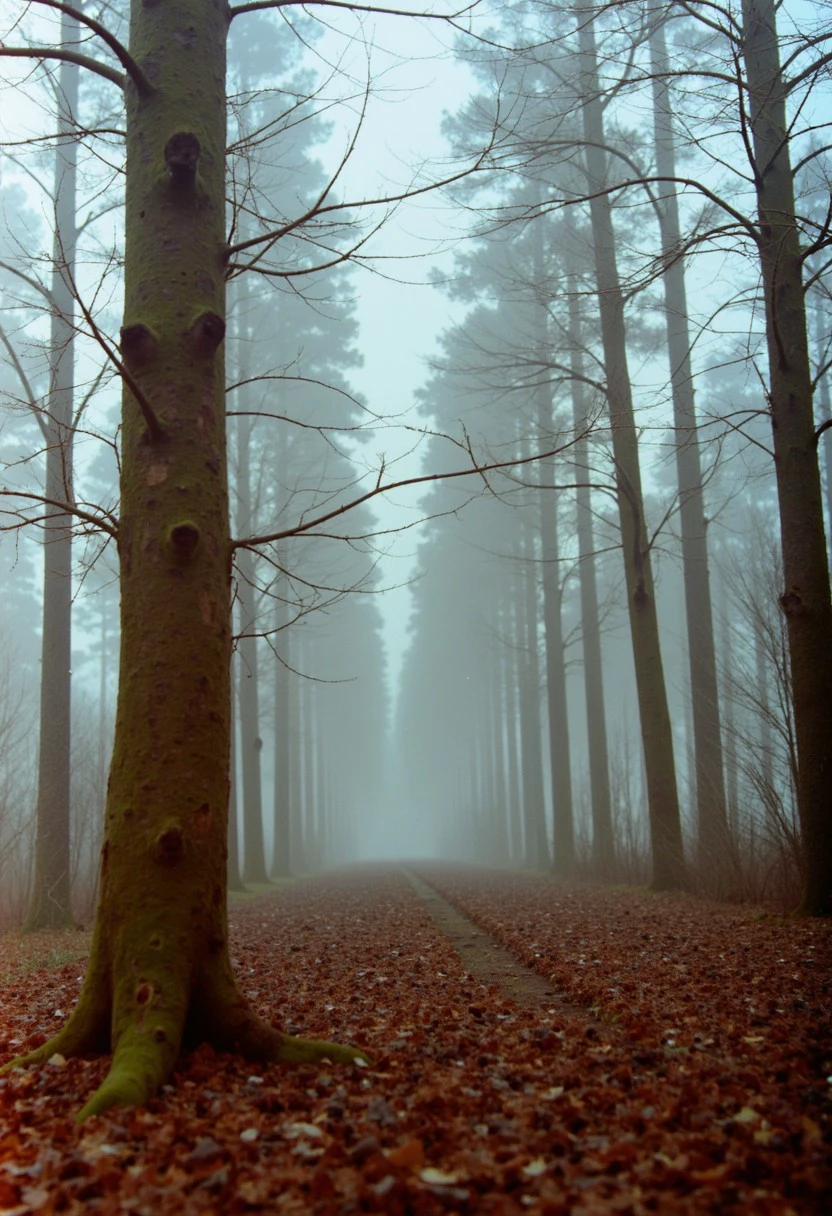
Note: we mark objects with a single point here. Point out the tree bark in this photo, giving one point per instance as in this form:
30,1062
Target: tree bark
656,733
805,600
159,972
49,907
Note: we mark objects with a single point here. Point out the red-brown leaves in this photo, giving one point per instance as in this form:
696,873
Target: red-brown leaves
693,1080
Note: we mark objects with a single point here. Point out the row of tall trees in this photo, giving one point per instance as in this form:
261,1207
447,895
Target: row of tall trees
646,146
238,506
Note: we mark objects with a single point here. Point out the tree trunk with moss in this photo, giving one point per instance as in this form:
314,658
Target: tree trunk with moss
159,972
805,600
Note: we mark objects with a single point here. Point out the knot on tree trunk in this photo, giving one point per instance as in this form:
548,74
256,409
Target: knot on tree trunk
791,601
169,847
184,539
139,345
182,156
206,333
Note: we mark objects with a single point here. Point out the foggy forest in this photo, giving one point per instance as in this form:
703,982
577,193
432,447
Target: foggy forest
416,451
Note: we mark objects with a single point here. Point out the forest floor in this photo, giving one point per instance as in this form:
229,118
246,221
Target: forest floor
536,1048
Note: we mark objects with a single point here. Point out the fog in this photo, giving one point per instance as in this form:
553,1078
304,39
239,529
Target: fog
413,672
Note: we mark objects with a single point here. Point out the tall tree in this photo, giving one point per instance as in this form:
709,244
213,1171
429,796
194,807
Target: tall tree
713,838
805,600
159,959
656,733
50,901
603,846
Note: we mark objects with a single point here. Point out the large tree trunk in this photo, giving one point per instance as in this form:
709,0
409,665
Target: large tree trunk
160,968
656,732
49,907
805,599
713,837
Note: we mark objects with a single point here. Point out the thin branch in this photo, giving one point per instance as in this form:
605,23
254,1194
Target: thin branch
67,508
824,426
24,380
381,487
154,428
255,6
384,200
50,52
120,51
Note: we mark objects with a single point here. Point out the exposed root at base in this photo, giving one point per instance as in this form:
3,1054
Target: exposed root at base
142,1064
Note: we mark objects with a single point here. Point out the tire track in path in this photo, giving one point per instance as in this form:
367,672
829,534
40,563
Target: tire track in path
488,961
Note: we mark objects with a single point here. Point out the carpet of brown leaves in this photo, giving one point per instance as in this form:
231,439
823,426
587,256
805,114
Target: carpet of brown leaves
690,1075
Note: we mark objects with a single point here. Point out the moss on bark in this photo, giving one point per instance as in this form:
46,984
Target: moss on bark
159,970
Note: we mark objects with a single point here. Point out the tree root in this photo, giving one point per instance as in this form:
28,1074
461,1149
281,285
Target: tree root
144,1060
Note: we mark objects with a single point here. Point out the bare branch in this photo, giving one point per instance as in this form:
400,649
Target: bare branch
120,51
50,52
380,487
101,522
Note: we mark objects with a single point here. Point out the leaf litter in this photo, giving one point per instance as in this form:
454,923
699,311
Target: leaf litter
686,1068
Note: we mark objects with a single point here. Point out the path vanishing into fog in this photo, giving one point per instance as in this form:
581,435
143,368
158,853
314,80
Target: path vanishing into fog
536,1047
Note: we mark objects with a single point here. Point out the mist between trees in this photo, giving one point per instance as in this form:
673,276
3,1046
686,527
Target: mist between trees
617,663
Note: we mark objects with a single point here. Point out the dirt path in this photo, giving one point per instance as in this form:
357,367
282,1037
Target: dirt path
606,1052
488,961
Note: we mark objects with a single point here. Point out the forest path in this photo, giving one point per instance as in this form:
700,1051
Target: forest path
674,1060
486,960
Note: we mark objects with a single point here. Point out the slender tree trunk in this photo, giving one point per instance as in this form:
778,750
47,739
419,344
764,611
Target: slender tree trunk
603,845
284,763
732,775
763,701
805,599
305,808
713,837
498,760
512,702
50,901
560,760
248,671
248,696
563,843
531,743
235,882
159,970
656,733
824,410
